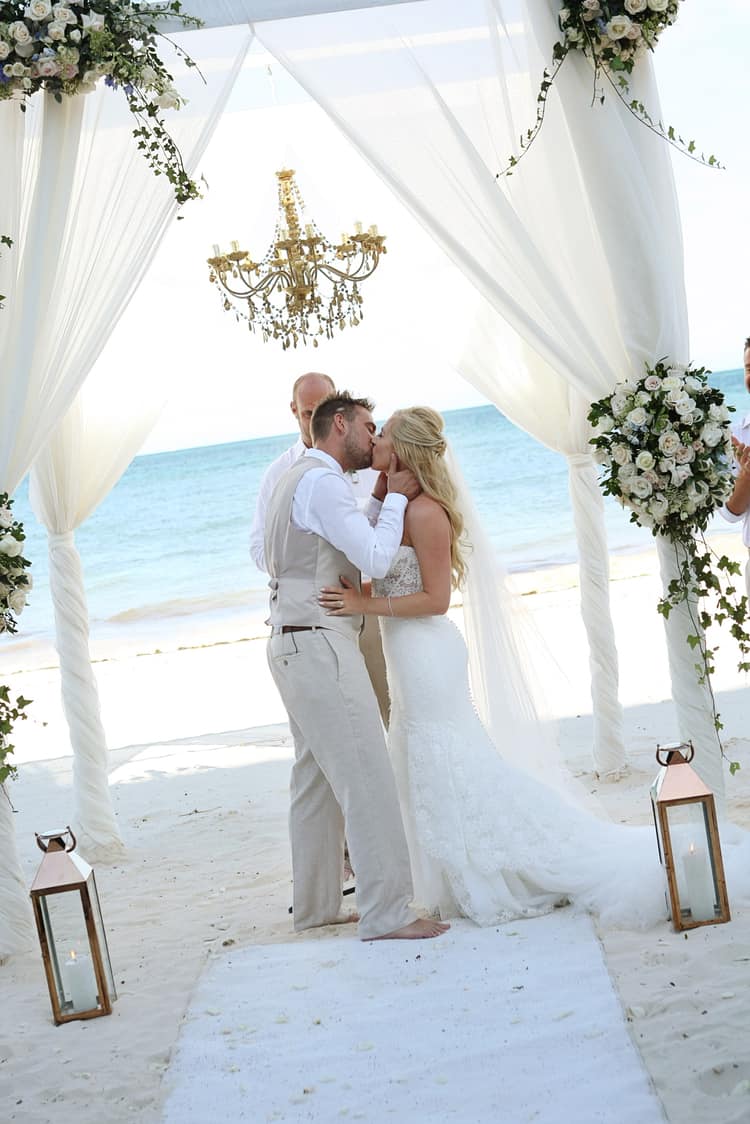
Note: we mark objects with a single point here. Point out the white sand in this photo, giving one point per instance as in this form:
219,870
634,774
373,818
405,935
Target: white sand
200,762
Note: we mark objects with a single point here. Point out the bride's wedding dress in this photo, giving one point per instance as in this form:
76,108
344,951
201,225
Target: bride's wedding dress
488,841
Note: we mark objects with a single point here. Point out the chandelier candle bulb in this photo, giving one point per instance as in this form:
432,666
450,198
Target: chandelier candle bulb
373,230
699,884
358,228
309,230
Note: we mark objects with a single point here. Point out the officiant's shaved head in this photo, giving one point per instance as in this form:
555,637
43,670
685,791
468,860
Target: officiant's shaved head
308,390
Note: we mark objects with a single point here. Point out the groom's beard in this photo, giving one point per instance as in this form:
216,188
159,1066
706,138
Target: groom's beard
356,456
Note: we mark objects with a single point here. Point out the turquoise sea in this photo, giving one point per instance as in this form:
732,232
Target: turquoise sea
172,537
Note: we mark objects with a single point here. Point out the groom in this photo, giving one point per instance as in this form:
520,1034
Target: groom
341,776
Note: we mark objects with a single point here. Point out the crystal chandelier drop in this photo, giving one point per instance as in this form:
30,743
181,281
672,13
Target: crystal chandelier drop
305,286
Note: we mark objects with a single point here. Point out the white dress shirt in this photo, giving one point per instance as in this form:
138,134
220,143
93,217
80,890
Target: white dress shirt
740,430
362,483
324,504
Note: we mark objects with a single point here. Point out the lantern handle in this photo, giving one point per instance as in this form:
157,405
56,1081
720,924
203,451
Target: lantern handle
675,753
55,835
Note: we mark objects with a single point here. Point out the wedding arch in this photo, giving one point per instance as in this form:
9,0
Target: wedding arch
433,95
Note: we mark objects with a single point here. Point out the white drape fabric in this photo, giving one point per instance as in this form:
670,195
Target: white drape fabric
227,13
106,425
578,254
87,216
16,923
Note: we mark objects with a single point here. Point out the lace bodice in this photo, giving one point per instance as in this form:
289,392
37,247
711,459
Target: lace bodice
403,577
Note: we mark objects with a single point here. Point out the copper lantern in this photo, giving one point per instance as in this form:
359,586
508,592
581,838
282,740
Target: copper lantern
688,837
71,931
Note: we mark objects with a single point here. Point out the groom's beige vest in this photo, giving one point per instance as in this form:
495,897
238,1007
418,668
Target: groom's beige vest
300,563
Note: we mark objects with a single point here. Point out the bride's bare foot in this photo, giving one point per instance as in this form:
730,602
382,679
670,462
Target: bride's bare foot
345,918
421,929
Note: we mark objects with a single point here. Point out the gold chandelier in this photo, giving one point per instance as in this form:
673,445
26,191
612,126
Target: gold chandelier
305,286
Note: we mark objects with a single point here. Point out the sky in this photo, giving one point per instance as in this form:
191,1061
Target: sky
226,385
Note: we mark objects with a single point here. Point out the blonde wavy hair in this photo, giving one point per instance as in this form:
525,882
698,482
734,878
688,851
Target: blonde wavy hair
419,443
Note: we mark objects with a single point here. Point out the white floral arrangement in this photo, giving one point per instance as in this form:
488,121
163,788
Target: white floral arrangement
665,443
666,447
15,582
613,35
67,48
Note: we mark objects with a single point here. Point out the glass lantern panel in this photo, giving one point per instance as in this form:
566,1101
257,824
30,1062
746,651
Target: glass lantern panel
68,942
99,925
693,860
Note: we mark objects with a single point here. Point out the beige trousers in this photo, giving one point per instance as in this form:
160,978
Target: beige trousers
341,780
371,647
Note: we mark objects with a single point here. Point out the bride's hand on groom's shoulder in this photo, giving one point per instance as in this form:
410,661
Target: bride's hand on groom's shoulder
341,601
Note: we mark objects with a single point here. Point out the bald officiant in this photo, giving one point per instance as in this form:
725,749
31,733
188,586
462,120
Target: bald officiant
307,392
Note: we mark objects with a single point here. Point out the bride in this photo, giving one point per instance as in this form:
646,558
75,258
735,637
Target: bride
486,840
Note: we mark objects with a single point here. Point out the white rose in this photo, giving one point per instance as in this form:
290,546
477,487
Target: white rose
605,424
681,473
659,507
47,68
148,76
638,416
684,455
652,382
718,413
38,9
4,49
633,7
63,14
619,27
640,488
645,460
693,383
56,31
642,398
564,15
684,407
16,70
627,472
621,454
19,32
17,600
658,5
711,435
10,546
168,99
618,405
92,21
669,442
6,517
671,382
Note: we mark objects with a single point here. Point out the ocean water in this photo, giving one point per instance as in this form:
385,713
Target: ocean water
171,538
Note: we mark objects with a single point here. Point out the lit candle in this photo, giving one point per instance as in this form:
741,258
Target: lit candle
358,228
373,229
80,982
700,888
344,238
217,251
235,247
284,234
309,230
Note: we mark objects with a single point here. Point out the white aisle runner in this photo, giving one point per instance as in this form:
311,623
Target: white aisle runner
481,1026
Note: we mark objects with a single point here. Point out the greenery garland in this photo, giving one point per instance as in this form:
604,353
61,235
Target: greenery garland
67,48
613,35
15,583
665,444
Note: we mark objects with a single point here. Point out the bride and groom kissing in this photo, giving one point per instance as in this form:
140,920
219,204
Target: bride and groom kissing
438,818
